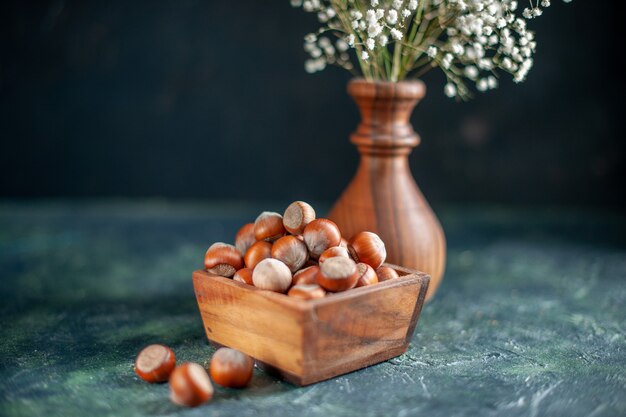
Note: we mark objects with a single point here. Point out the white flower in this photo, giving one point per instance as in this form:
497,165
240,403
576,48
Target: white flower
342,46
392,17
450,90
396,34
374,29
473,37
324,42
314,65
471,72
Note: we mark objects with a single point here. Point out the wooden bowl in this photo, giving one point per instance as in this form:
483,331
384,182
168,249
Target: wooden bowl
308,341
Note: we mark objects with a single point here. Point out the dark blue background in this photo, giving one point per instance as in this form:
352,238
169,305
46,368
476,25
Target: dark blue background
208,99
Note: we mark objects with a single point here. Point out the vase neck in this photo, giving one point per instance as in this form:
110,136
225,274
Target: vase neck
386,108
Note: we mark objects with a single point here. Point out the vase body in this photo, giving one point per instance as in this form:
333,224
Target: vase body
383,196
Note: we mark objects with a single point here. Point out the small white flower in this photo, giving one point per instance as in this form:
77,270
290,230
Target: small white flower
310,38
324,42
392,17
450,90
492,82
370,43
356,15
527,13
296,3
396,34
545,3
330,12
374,3
537,12
365,56
432,52
314,65
315,52
397,4
342,46
406,13
350,39
482,85
383,40
374,29
380,13
471,72
413,5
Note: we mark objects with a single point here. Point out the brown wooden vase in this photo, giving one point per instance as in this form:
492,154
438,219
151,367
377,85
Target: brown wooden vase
383,196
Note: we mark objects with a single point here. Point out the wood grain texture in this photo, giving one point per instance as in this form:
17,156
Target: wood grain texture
383,196
307,341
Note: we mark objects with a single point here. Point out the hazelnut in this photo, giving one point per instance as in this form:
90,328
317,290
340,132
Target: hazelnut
386,273
245,238
333,252
268,226
310,262
244,275
231,368
368,248
257,252
223,259
155,363
272,274
320,235
190,385
307,292
306,276
338,274
367,275
297,216
291,251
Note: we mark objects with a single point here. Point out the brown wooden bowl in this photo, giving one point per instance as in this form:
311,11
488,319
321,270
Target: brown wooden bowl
308,341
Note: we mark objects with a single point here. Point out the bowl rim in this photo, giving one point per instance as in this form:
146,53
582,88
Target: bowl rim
408,278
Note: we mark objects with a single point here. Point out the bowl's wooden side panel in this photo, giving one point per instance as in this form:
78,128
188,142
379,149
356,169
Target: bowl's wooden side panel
248,320
362,330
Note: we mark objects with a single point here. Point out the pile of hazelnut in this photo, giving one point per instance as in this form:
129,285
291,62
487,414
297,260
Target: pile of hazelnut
300,255
190,384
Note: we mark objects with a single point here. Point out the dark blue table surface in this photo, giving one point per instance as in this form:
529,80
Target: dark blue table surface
529,320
